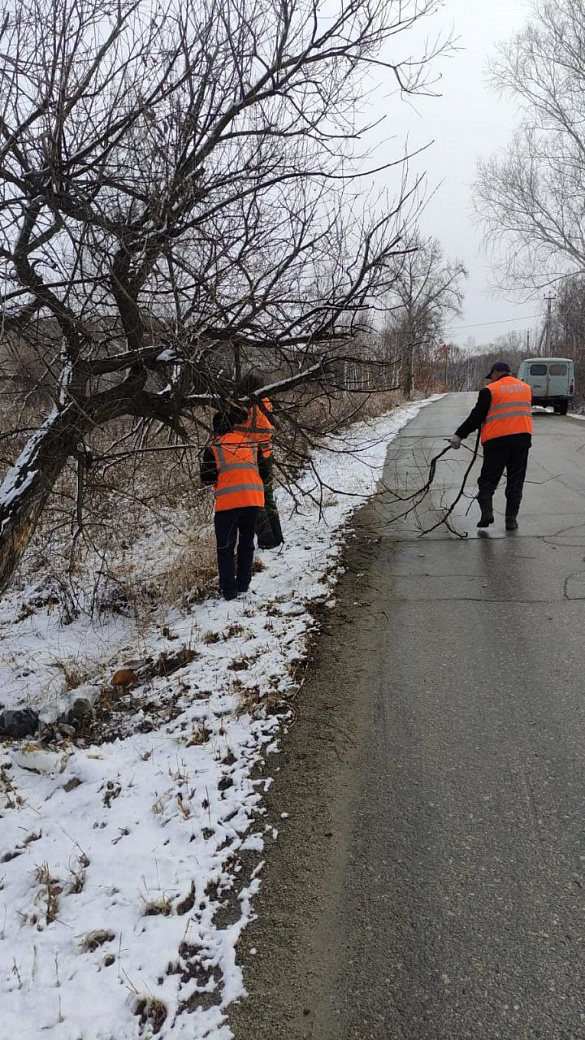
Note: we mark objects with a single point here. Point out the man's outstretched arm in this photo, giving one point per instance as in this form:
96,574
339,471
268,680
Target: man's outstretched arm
476,417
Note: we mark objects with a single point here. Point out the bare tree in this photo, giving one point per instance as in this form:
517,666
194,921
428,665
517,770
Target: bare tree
426,290
179,199
469,367
530,198
568,318
568,329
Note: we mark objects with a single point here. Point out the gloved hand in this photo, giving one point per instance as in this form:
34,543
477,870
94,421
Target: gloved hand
455,441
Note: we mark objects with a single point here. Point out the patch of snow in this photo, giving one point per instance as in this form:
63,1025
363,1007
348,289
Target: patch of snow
64,380
128,869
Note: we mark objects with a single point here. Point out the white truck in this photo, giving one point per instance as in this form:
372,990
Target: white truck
552,381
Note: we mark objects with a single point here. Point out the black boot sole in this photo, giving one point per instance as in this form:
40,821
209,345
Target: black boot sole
485,521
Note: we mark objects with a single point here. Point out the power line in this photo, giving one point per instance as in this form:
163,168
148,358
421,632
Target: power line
500,321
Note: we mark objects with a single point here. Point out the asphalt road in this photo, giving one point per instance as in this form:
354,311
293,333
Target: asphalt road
429,881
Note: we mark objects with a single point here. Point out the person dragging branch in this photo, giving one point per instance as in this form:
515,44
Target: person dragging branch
236,467
503,412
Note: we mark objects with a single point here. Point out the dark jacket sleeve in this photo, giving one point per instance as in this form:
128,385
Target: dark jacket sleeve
208,467
478,414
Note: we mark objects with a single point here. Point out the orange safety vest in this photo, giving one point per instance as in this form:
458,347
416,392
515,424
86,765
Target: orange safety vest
259,427
239,483
510,411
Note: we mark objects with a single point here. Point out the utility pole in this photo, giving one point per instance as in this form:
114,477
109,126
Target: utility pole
410,346
549,303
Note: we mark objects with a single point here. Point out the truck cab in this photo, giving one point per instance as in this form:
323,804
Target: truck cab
552,381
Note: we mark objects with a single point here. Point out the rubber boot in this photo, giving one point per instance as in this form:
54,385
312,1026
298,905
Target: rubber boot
487,512
511,522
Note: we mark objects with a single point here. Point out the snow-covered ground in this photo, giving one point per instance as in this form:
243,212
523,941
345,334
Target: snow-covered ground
128,865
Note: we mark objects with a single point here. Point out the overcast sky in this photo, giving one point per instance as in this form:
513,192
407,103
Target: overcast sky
467,121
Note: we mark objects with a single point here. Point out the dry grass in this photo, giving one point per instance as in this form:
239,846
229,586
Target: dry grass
211,637
73,675
233,630
151,1012
240,664
258,703
199,736
92,940
158,907
189,577
11,797
77,876
193,570
49,891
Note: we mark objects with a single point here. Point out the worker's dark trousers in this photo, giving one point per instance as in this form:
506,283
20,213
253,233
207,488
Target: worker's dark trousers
231,526
268,529
499,454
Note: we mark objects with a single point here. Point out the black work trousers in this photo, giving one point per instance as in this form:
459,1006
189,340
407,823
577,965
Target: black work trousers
499,454
235,526
268,527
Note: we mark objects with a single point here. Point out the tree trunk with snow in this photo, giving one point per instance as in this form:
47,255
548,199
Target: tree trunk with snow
28,485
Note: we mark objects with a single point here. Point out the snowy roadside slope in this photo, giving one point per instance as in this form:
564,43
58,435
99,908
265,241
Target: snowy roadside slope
127,868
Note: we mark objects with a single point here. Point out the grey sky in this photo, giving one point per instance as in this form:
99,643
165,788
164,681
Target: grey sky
465,122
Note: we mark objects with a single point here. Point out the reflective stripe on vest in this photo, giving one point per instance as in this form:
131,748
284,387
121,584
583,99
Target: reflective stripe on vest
239,483
227,467
237,487
510,411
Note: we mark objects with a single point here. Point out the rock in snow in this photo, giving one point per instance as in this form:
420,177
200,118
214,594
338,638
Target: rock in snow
19,722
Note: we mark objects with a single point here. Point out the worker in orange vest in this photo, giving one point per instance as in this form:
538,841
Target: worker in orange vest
258,423
504,414
235,465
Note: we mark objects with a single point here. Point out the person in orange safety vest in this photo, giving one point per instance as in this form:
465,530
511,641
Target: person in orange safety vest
268,529
503,412
259,424
234,463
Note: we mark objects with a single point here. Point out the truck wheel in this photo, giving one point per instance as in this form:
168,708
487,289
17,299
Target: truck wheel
563,408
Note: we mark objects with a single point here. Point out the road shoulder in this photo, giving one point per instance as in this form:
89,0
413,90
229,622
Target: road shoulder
314,787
